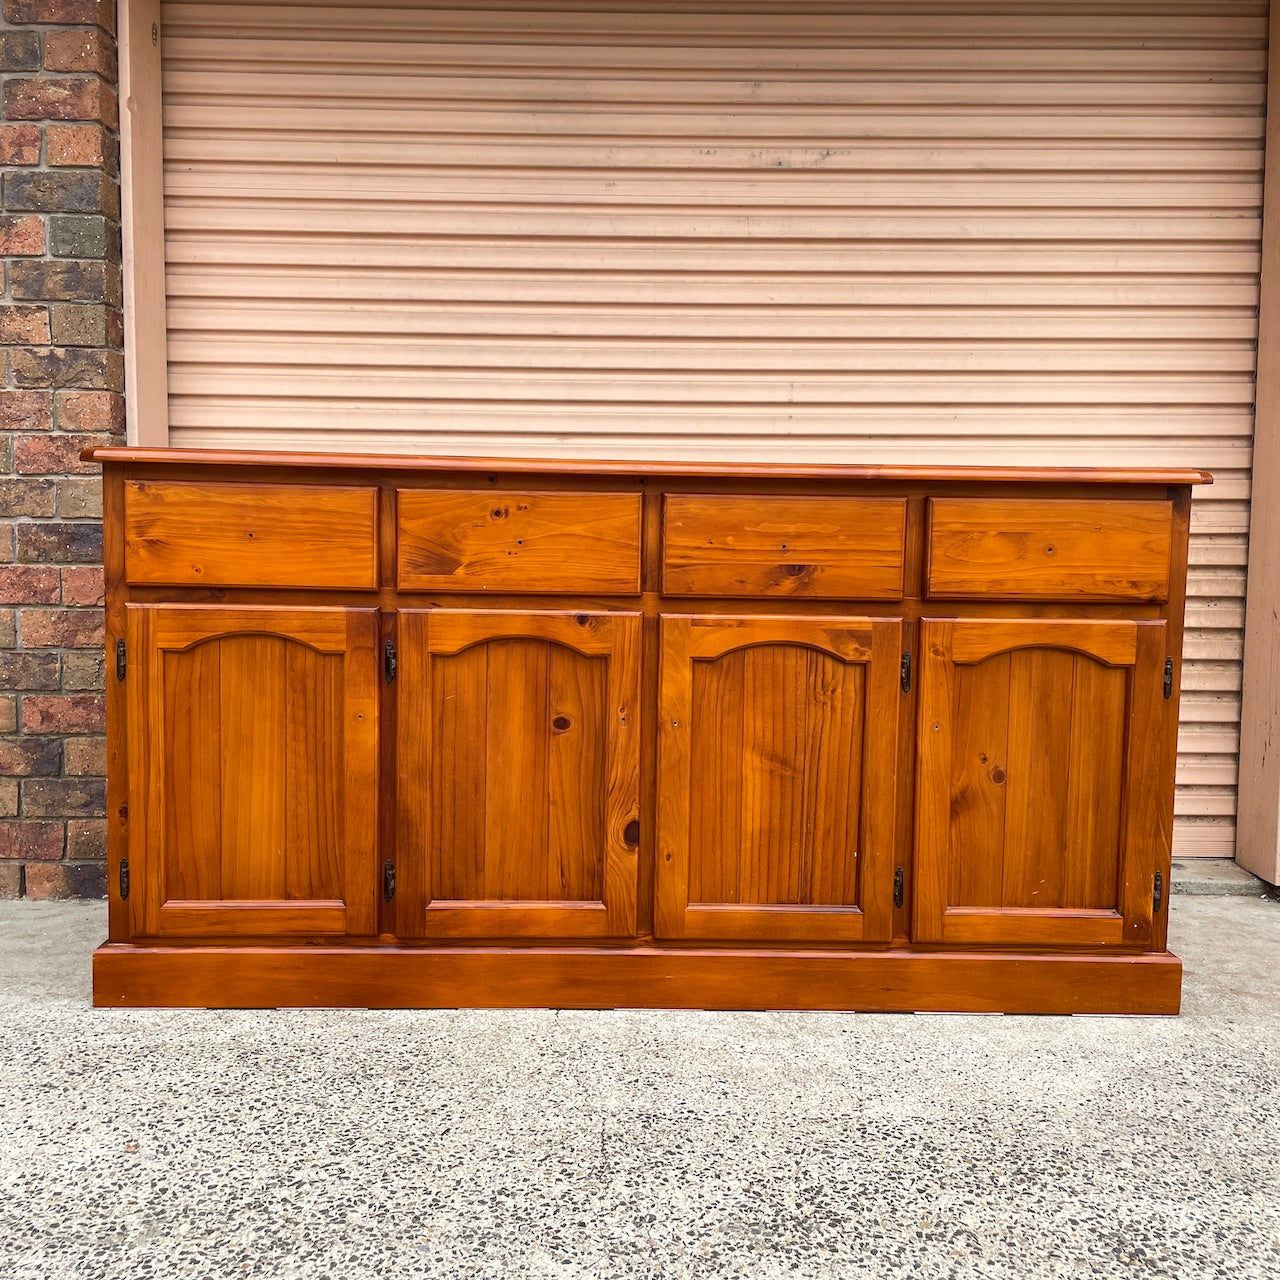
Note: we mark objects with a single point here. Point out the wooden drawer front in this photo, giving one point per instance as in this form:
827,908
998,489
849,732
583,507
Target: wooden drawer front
540,543
1046,548
250,535
824,548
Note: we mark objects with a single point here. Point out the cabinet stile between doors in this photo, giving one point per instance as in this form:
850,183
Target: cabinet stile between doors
850,738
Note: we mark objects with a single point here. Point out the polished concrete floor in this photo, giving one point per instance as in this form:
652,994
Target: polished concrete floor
350,1145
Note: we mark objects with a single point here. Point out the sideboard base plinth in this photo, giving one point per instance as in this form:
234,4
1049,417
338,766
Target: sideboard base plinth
378,977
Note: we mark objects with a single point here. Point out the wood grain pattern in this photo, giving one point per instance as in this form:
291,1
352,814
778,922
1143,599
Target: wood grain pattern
1098,737
253,771
1209,741
456,850
769,792
745,469
548,543
1039,752
777,735
191,703
1116,644
1028,775
765,715
639,978
822,548
1051,757
1148,789
252,765
119,923
979,772
179,533
577,702
1045,548
518,767
313,759
517,720
716,707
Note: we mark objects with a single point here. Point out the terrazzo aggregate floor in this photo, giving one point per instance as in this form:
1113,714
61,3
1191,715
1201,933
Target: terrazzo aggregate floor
351,1145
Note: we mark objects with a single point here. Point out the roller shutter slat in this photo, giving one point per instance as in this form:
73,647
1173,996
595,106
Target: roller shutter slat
737,228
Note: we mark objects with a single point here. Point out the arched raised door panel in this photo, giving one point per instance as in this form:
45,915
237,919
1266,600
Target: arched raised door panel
518,774
1045,750
778,757
253,770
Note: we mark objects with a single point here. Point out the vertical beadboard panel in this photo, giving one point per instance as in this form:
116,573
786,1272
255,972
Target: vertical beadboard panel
921,230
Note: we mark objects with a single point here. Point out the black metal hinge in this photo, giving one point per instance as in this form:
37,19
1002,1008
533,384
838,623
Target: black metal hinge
388,880
1168,677
1157,896
389,661
906,671
122,661
897,887
124,877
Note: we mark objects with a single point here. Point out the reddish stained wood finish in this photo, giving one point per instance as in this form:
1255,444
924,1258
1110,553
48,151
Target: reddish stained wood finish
253,792
541,543
250,535
798,780
116,702
776,778
639,977
1026,834
823,548
1049,549
518,771
349,462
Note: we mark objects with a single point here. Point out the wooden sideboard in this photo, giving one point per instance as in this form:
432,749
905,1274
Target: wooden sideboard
442,732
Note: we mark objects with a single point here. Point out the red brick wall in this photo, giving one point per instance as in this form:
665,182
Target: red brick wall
61,328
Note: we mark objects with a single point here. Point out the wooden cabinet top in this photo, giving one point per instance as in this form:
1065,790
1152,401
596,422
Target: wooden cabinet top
831,472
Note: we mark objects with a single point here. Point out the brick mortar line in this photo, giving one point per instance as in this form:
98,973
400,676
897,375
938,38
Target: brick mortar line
62,330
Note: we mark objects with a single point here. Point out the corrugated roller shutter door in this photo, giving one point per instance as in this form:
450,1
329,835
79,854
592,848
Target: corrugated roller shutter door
910,231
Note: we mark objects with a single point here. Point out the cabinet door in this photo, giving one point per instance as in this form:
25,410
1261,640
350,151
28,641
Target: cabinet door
778,746
518,773
253,770
1044,782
